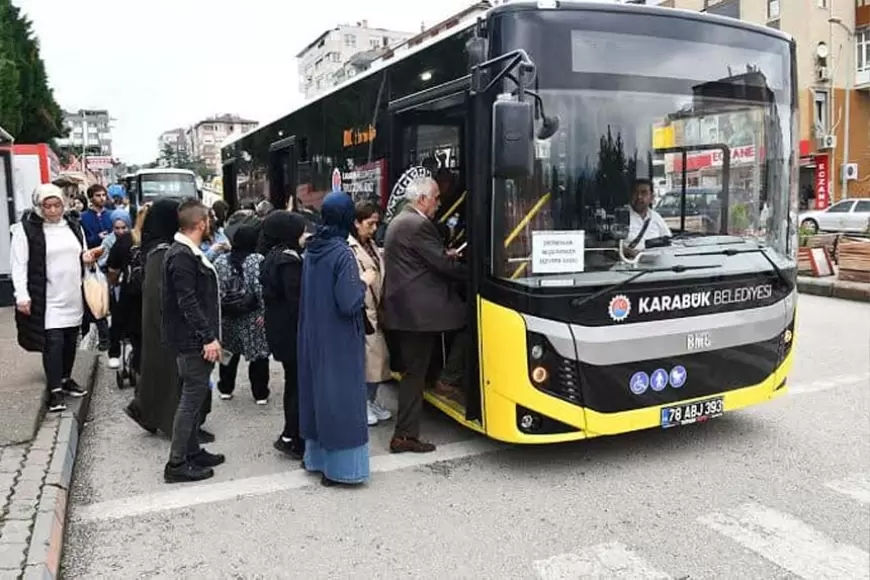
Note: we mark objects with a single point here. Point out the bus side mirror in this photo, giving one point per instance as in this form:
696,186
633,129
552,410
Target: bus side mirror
513,143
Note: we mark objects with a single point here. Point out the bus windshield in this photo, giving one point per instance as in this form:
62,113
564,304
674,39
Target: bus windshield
154,185
699,112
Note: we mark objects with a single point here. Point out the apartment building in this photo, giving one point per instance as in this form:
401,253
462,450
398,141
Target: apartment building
174,138
89,130
833,62
322,64
204,139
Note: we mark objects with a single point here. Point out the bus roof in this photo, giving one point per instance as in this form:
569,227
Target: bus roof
469,16
164,171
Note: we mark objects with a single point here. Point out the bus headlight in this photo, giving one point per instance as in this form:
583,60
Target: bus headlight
537,352
540,375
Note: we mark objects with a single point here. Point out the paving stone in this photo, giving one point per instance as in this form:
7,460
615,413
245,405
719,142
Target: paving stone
44,439
10,574
12,555
32,472
15,532
38,458
38,572
21,510
26,489
7,480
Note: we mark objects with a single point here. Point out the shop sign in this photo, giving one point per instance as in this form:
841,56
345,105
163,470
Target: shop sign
822,182
714,158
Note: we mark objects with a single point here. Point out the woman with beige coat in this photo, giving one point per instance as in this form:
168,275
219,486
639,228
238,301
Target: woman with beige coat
361,241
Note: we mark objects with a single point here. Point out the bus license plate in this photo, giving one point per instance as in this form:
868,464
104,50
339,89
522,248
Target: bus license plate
696,412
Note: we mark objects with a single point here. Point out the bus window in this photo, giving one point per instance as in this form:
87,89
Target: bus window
155,185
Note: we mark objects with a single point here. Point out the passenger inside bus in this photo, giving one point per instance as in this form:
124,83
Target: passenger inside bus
645,223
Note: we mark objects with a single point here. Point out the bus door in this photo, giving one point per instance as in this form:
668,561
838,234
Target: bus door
283,173
228,181
428,132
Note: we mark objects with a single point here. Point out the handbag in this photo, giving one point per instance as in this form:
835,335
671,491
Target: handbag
96,291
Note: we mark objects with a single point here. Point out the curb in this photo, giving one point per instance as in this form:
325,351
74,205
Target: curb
834,288
46,477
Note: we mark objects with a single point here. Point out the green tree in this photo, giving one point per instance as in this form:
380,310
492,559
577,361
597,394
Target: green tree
27,106
181,159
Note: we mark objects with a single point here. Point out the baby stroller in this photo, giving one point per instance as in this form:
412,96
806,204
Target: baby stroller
125,373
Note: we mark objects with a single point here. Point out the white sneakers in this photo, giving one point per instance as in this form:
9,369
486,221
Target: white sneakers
114,363
376,413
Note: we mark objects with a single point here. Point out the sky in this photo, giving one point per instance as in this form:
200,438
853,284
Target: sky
161,64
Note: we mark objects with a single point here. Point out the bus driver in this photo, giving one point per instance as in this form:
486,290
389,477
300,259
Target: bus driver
645,223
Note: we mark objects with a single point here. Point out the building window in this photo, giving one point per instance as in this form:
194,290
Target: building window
729,8
862,46
350,40
772,9
374,43
824,3
773,24
821,111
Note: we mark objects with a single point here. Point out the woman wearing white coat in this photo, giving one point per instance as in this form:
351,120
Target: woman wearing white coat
48,258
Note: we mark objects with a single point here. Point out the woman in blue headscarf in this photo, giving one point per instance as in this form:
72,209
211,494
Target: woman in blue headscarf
332,387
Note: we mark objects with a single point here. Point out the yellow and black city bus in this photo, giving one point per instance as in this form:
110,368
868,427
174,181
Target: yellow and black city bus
537,119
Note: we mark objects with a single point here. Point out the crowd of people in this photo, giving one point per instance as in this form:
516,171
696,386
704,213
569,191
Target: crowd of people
194,288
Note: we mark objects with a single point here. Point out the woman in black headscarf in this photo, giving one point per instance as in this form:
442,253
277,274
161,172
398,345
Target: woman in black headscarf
281,242
159,388
242,328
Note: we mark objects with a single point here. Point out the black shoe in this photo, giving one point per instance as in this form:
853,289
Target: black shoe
292,449
205,459
204,436
326,482
73,389
186,471
133,413
56,404
103,346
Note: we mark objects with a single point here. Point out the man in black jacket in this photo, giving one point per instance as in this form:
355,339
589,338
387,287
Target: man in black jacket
191,327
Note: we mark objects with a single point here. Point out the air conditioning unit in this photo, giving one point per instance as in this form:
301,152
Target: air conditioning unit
850,171
823,74
827,142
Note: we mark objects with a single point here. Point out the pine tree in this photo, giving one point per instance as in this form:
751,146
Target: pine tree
27,106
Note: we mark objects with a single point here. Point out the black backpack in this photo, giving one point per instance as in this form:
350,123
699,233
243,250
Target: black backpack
237,299
134,275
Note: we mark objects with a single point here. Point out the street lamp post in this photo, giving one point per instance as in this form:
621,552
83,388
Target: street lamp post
850,78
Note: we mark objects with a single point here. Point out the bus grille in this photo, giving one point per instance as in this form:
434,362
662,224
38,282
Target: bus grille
564,382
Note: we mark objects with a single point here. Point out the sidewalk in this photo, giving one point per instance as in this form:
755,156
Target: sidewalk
37,455
831,287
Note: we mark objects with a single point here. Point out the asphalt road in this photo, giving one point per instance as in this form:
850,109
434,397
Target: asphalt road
776,491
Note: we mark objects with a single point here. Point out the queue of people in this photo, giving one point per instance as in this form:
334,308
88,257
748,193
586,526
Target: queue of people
196,288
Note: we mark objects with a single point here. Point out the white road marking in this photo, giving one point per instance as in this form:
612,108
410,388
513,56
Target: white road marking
193,495
790,544
856,486
829,383
611,561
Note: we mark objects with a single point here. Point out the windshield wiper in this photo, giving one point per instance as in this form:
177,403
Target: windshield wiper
734,251
678,269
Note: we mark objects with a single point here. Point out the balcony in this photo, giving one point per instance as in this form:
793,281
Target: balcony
862,59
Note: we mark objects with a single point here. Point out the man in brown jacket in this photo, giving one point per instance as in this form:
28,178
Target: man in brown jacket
420,302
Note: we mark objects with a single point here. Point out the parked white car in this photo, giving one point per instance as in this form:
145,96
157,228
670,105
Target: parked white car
849,215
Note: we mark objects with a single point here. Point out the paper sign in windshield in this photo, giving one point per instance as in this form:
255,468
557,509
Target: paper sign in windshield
558,252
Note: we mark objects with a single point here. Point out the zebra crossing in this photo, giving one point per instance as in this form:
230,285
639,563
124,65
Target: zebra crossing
779,538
